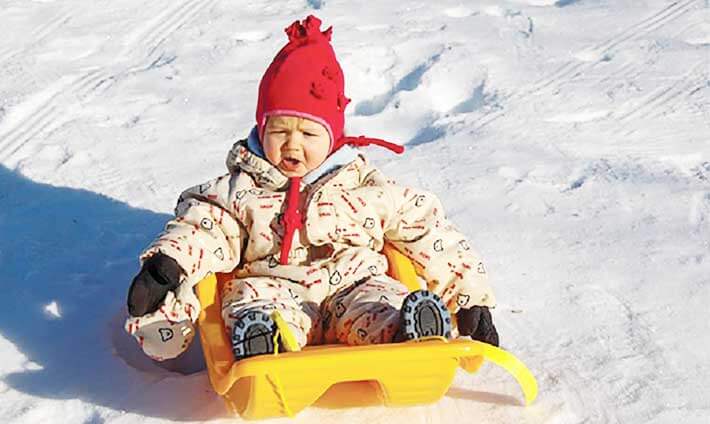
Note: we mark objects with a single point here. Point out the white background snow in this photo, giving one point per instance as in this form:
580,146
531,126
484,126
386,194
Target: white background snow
570,140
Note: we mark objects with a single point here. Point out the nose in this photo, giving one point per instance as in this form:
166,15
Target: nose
294,140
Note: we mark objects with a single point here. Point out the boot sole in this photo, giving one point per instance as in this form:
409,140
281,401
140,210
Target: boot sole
424,315
253,334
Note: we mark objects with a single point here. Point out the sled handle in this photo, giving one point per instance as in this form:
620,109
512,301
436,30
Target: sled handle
507,361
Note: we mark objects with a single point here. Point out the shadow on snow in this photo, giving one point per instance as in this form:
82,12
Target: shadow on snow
79,249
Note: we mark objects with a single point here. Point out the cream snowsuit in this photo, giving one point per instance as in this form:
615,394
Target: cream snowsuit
334,288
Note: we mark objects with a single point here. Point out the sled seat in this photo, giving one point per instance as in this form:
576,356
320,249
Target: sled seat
339,376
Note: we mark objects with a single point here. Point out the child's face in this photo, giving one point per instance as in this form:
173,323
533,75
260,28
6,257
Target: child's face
296,146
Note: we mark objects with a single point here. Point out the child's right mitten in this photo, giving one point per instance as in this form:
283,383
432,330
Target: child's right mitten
159,274
477,322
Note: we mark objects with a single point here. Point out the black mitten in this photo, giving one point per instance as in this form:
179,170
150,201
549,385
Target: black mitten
477,323
160,274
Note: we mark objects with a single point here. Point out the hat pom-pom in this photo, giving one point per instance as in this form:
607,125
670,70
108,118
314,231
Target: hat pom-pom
308,30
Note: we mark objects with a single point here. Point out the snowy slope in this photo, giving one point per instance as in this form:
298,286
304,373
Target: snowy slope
570,140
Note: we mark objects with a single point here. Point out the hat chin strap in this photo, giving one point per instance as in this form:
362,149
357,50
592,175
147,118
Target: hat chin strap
361,141
292,219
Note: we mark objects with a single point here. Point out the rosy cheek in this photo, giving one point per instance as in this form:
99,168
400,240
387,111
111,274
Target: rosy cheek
272,155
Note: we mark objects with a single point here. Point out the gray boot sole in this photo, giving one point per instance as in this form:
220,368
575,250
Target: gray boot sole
423,314
253,334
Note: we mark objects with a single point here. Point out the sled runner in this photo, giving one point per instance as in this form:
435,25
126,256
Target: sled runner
338,376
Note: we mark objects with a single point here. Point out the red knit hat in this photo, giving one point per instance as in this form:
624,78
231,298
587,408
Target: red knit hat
306,80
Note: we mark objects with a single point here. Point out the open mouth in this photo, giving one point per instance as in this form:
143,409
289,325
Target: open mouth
290,164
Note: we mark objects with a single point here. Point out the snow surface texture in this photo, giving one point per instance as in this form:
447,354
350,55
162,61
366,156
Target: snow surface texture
570,140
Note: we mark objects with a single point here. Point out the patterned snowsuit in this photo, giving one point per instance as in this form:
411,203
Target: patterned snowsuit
334,288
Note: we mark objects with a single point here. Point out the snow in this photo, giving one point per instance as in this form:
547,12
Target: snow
52,310
570,140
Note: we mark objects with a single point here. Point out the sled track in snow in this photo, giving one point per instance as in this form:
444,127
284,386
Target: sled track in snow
160,29
37,36
655,103
47,116
676,96
623,71
150,39
175,22
572,69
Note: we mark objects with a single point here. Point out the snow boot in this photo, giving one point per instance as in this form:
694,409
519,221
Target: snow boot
253,334
423,314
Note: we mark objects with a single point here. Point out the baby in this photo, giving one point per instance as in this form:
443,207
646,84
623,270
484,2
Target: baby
300,220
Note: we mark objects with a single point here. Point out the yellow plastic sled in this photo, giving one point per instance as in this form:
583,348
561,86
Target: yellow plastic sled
337,376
